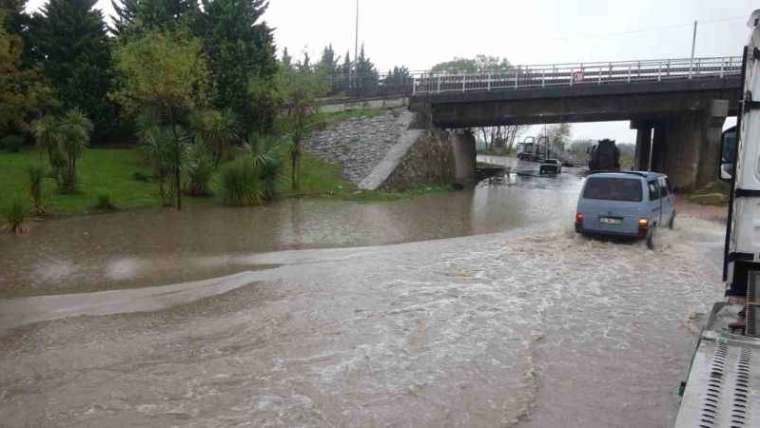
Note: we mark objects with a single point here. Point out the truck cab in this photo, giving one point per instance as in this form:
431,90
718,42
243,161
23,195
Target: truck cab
722,388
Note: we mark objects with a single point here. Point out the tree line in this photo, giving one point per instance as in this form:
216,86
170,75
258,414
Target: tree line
190,81
344,76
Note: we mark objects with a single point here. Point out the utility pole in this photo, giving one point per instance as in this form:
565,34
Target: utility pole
693,46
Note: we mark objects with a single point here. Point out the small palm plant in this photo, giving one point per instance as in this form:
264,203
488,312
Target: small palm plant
15,213
37,175
218,130
48,137
64,138
76,129
267,162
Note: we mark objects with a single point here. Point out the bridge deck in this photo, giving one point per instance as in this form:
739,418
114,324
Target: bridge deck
579,75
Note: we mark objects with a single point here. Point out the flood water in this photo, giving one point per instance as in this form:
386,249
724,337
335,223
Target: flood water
475,308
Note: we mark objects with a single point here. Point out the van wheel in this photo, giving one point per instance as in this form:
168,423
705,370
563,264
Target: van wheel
650,237
672,222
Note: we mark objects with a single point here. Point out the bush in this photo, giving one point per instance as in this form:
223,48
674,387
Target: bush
15,213
267,162
11,143
104,203
241,183
37,174
199,168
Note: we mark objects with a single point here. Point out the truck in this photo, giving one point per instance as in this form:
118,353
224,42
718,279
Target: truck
533,150
722,387
604,156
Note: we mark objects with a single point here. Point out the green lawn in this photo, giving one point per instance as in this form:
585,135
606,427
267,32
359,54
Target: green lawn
112,172
99,171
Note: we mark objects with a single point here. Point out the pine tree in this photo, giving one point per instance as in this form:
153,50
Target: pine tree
287,60
73,49
345,73
142,15
366,75
241,56
304,66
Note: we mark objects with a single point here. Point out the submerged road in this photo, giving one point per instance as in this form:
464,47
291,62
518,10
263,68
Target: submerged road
521,324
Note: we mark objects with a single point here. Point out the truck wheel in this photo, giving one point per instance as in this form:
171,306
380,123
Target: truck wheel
672,222
650,237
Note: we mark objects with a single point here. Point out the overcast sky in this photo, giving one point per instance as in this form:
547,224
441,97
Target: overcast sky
421,33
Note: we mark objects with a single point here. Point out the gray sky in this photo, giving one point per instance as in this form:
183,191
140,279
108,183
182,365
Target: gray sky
421,33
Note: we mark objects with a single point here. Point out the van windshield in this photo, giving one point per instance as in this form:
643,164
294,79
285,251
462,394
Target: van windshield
613,189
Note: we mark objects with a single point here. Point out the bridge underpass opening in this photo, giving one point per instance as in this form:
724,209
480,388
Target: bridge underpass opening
685,104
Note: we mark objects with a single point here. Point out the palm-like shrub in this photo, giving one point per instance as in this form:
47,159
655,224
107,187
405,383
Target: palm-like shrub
48,137
36,177
15,213
267,161
64,138
157,144
241,184
218,130
76,129
199,169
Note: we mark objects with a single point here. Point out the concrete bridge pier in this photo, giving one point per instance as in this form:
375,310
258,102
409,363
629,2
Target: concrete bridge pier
465,157
686,145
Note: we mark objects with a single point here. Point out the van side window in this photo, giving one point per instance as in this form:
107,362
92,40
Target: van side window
654,191
663,187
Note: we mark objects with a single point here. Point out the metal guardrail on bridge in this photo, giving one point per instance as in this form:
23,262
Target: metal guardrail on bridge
597,73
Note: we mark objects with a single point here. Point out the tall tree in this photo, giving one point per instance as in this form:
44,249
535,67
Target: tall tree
242,61
23,91
164,74
366,74
328,64
74,52
397,78
141,15
287,60
299,91
345,73
304,66
478,64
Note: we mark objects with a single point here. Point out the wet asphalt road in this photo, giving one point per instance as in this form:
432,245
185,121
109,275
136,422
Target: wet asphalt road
495,314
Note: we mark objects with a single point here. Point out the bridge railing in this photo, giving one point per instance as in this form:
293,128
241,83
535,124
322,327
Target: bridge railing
597,73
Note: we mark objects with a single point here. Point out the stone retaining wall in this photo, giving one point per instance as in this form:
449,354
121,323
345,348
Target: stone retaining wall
429,161
383,152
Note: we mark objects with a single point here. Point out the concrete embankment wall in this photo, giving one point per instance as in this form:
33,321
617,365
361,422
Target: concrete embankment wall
387,151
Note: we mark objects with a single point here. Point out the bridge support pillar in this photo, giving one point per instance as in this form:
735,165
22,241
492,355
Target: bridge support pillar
685,146
693,144
643,144
463,146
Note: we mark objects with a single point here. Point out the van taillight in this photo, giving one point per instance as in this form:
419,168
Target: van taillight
579,217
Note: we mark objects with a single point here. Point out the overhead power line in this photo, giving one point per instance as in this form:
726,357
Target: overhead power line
645,30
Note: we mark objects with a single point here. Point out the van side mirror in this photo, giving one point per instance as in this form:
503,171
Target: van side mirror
728,154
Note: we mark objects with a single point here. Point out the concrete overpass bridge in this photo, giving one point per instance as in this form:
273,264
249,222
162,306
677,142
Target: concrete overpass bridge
677,106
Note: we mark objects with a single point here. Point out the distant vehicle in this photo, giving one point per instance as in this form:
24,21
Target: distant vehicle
627,203
534,149
550,166
530,150
604,156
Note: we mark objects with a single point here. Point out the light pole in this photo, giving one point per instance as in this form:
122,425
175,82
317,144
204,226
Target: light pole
693,45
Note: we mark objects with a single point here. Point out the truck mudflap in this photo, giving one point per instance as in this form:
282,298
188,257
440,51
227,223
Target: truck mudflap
723,385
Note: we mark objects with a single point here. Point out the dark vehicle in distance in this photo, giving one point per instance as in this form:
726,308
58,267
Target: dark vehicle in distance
604,156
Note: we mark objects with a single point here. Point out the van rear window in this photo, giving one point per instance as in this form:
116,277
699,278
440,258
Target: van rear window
613,189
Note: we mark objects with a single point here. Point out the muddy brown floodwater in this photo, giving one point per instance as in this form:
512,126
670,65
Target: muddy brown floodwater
480,308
